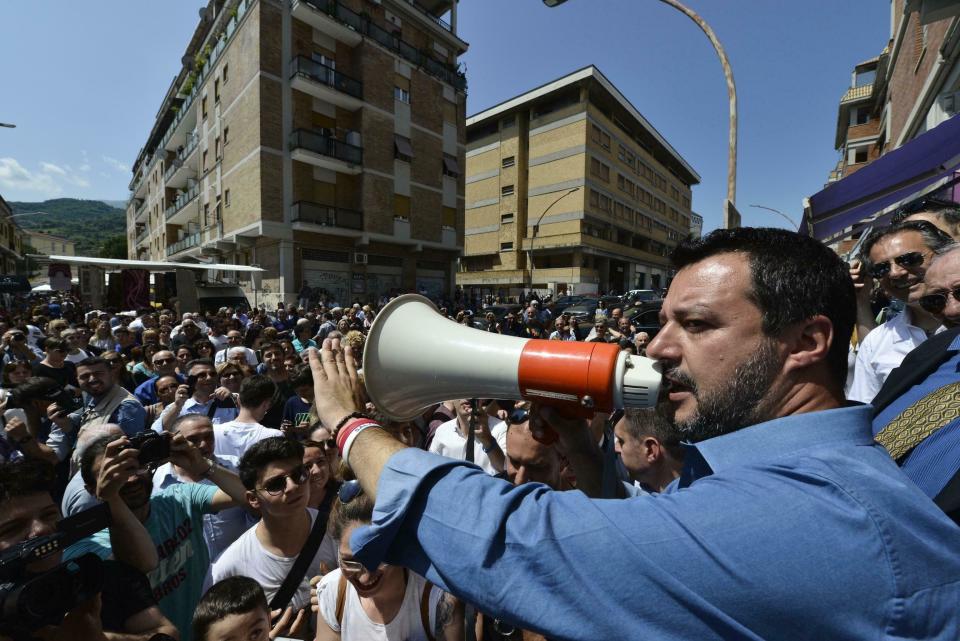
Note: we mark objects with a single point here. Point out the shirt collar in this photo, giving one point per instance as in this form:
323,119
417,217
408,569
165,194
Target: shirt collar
785,436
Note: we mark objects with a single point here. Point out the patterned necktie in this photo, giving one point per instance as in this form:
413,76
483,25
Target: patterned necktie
920,420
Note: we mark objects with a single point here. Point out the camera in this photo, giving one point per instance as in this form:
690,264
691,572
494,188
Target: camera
31,601
67,402
153,447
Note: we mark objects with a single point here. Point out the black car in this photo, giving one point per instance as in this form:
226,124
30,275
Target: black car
645,318
564,302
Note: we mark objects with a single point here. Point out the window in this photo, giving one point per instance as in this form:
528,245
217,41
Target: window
226,135
216,90
509,161
864,78
862,116
203,107
450,166
224,74
216,149
402,149
203,165
594,198
226,198
600,137
506,190
206,214
506,247
401,94
506,218
599,170
860,155
509,121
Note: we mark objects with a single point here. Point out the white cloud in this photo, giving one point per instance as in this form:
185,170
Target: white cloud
49,181
116,164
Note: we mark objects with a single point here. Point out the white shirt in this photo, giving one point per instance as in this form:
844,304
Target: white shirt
448,442
355,625
247,557
220,529
235,438
191,406
881,352
251,355
219,342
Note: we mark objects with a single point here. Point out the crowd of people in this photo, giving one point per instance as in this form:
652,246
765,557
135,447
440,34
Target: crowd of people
797,480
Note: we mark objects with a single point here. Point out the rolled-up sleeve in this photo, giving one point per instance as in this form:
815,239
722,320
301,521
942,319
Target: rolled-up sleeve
131,417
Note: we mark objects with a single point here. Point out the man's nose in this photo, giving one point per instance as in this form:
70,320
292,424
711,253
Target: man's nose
896,271
952,310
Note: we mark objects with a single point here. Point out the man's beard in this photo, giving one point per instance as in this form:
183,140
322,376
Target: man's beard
733,406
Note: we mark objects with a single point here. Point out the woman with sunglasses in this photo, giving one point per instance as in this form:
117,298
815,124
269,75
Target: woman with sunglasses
390,602
203,349
231,376
322,435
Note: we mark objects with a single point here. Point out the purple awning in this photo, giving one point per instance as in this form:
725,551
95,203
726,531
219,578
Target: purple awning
895,176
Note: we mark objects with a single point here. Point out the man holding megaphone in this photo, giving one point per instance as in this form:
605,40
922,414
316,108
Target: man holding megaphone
787,522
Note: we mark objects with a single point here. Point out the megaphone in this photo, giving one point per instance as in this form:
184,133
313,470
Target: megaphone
415,358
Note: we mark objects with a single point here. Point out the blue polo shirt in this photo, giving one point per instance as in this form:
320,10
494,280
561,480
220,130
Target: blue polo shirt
936,459
800,528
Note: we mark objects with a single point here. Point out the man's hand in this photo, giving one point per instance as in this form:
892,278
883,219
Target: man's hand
16,430
335,382
118,465
221,394
862,282
292,623
186,455
482,429
59,417
183,393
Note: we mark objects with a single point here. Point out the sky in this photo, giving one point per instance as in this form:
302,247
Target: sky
83,81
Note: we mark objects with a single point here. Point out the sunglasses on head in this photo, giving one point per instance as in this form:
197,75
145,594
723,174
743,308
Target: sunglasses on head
935,303
910,259
276,485
349,491
925,204
518,415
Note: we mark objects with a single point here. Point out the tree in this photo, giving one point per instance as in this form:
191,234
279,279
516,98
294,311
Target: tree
114,247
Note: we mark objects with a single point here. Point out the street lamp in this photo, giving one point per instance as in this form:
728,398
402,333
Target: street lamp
7,125
730,216
536,229
777,211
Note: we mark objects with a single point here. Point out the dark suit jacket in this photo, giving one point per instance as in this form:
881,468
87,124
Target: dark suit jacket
915,368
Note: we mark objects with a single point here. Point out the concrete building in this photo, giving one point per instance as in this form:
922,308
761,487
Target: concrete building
11,240
696,225
911,87
570,189
322,140
50,244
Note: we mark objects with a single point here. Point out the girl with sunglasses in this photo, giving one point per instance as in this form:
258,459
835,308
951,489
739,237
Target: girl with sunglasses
390,602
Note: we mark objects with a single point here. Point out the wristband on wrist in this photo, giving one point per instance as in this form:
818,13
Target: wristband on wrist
348,434
342,421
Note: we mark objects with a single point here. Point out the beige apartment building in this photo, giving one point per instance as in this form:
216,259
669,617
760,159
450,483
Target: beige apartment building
570,190
322,140
11,240
49,244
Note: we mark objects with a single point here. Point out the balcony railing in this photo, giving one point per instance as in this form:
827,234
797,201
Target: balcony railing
329,76
143,234
185,243
363,25
327,216
326,146
182,201
443,23
175,164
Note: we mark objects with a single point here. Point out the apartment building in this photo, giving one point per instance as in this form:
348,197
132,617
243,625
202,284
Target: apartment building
49,244
570,189
321,140
910,88
11,240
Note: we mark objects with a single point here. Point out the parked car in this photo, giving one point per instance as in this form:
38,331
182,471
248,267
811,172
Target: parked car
643,295
646,319
564,302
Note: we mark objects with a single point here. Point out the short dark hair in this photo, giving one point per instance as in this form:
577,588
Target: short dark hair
945,210
641,422
93,361
26,476
55,343
256,390
94,450
262,453
206,362
793,278
35,388
933,237
302,375
359,510
273,345
233,595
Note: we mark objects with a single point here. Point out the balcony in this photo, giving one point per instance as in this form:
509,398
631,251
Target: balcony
349,27
326,216
443,24
177,211
141,209
325,83
142,236
331,18
323,150
187,242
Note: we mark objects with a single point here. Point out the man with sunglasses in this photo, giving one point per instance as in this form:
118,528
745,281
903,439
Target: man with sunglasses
928,453
277,486
898,257
164,364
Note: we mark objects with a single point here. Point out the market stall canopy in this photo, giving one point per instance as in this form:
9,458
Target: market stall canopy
11,284
927,163
154,266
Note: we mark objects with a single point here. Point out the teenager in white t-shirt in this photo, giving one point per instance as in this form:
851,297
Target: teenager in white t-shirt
389,603
235,437
277,485
450,439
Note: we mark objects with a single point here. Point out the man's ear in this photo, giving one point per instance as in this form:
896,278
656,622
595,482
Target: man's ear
253,500
809,343
651,448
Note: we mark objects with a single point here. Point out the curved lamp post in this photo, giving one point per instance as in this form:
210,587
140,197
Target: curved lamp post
777,211
730,216
536,229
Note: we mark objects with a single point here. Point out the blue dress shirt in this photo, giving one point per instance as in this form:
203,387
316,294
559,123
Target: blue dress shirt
936,459
798,528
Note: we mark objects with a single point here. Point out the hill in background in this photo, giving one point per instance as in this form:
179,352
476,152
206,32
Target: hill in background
88,223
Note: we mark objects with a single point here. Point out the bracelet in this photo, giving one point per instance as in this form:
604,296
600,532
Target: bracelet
348,435
346,418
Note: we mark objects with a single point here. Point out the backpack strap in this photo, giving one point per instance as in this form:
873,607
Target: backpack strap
341,600
425,610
